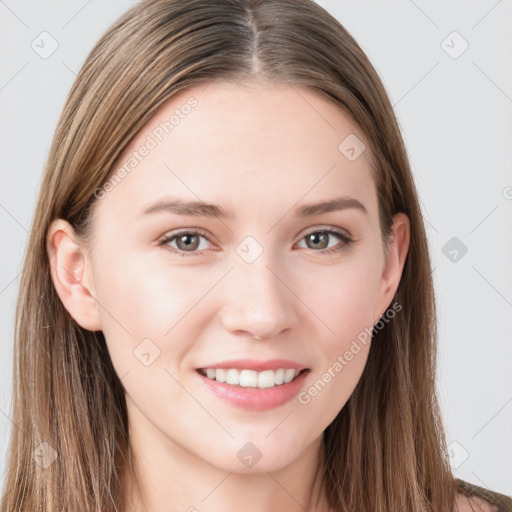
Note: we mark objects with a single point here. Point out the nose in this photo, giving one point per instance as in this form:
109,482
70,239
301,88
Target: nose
259,301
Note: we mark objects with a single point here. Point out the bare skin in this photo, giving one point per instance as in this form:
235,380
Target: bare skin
259,151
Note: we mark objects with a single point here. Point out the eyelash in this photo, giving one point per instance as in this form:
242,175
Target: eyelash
345,246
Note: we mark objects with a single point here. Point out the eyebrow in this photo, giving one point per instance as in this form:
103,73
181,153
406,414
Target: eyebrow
201,209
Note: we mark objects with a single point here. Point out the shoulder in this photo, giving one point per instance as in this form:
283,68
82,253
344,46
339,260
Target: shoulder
473,498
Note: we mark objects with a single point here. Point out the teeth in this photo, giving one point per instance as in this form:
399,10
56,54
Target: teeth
251,378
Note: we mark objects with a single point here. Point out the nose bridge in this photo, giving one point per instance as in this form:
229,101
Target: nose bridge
258,299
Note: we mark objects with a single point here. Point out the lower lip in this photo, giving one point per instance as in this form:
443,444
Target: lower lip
255,399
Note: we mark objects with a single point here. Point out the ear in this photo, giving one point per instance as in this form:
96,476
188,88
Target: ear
394,264
71,275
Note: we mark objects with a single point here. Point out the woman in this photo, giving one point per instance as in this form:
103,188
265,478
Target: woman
266,371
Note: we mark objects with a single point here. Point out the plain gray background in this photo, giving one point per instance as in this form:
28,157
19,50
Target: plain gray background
454,106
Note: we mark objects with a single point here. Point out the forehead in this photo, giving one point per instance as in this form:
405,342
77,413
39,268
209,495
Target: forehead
252,148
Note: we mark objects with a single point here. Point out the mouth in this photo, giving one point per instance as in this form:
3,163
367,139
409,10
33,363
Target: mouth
244,378
251,390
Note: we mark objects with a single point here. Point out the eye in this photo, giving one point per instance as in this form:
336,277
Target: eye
188,243
320,239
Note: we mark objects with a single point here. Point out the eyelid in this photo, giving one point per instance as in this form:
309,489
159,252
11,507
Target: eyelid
177,232
336,229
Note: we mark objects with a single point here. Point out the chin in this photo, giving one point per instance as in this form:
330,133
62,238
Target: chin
253,457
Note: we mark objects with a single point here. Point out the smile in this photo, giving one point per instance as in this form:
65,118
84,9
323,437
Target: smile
251,378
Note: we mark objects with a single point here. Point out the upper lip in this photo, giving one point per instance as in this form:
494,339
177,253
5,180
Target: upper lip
253,364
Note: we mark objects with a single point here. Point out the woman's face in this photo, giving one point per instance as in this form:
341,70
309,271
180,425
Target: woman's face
170,305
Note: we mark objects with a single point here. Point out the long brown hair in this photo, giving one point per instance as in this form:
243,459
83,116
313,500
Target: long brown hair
385,450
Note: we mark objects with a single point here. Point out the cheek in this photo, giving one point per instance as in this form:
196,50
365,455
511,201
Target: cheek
144,295
344,303
344,353
348,314
135,305
148,307
343,299
132,297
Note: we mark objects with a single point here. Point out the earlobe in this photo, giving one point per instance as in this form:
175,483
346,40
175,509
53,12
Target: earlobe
70,271
394,264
